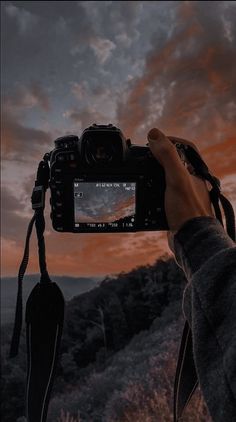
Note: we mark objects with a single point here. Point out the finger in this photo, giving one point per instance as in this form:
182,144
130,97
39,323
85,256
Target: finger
165,152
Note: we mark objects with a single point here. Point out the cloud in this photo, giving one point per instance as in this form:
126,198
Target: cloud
136,64
124,39
188,84
24,19
14,223
103,253
20,141
95,104
29,97
102,48
86,254
85,117
221,157
80,90
12,255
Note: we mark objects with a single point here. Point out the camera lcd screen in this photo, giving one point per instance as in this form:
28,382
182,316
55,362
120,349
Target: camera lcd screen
104,205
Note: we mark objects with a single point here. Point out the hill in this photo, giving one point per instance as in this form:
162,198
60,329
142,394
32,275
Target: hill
70,286
118,353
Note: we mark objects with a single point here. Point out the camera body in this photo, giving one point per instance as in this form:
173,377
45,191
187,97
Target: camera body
102,183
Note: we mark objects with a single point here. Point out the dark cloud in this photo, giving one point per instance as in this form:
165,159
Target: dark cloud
19,140
75,41
22,18
44,50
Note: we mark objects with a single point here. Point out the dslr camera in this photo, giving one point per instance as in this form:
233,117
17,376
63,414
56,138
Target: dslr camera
101,182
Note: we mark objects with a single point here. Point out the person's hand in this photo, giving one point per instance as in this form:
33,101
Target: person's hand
186,195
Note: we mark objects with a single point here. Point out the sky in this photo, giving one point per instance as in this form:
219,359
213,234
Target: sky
138,65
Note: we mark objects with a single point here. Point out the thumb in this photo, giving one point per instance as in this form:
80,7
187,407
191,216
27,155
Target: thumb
165,152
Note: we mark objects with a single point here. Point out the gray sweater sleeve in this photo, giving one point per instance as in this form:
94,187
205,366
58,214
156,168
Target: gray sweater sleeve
208,257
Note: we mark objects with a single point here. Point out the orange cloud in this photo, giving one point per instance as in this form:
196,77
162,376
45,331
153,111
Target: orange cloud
89,254
188,86
221,158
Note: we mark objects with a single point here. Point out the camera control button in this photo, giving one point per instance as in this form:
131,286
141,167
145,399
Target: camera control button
61,157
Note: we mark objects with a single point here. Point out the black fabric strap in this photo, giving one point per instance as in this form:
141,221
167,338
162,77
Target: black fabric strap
44,314
44,324
229,214
38,202
186,380
40,227
19,306
214,195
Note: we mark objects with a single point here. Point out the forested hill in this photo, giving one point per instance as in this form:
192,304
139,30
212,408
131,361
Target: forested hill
107,317
70,287
118,353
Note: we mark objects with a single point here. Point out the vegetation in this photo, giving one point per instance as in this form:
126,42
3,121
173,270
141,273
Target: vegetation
118,353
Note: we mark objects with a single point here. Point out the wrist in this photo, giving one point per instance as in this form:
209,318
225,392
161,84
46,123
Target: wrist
197,240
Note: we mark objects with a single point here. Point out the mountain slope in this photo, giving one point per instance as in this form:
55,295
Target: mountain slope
70,286
118,353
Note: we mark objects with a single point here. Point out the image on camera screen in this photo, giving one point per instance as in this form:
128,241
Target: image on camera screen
98,204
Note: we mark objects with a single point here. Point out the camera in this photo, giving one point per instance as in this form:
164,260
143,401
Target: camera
101,182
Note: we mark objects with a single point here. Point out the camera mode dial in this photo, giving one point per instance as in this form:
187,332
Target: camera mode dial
70,141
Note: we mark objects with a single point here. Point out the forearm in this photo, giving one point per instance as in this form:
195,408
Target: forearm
208,257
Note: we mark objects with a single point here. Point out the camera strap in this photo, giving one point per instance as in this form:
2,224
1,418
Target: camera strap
44,313
186,380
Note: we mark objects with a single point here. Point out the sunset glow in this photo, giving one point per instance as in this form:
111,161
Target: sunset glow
135,64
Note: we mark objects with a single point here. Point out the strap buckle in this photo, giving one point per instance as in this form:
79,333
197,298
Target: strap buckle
38,197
